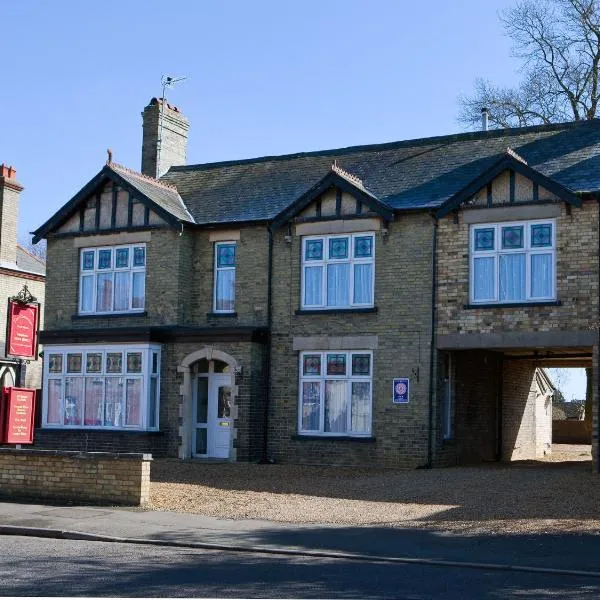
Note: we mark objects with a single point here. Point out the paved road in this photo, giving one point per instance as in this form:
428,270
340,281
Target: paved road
51,567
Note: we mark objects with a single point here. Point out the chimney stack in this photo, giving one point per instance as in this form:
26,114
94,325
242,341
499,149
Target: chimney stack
163,145
484,119
10,191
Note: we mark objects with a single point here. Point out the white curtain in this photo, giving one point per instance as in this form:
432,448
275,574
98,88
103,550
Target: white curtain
363,283
94,388
133,403
73,400
360,406
87,293
138,289
512,277
311,405
226,289
122,290
338,284
483,278
104,293
312,286
54,395
541,275
336,419
113,402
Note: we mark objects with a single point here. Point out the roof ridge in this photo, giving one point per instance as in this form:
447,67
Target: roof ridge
467,135
510,152
118,167
357,181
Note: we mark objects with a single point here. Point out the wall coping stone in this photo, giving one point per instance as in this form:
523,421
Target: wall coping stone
78,455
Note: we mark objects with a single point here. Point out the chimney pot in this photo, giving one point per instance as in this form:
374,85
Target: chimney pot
484,118
7,172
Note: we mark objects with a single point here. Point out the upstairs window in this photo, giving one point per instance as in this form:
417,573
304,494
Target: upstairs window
112,279
513,262
225,259
338,271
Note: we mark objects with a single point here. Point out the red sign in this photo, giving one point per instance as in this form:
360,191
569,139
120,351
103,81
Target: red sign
18,413
21,339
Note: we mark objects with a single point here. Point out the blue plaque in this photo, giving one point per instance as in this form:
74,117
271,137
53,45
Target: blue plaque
401,391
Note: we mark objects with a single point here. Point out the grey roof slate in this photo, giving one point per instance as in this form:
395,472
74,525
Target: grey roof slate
407,175
30,263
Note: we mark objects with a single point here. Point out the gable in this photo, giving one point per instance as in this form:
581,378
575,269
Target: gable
335,202
111,207
511,187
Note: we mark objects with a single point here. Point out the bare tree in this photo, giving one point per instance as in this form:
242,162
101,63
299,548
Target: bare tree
559,43
39,249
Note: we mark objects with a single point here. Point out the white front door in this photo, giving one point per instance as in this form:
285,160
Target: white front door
212,418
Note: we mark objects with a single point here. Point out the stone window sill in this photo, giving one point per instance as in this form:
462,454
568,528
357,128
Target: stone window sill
95,430
133,315
329,311
513,304
334,438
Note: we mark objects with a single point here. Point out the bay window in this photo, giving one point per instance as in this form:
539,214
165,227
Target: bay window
335,393
112,279
338,271
101,387
513,262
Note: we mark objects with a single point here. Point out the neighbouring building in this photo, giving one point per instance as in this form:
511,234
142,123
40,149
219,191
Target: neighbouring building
262,308
18,268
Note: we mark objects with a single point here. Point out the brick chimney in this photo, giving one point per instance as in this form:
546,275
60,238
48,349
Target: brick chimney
159,155
10,191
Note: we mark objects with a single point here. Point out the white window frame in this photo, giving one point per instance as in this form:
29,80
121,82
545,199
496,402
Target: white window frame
218,269
95,272
322,378
498,251
325,261
149,351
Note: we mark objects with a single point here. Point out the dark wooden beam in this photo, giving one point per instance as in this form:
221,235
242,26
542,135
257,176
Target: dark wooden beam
512,185
489,194
113,215
129,209
97,222
338,201
536,191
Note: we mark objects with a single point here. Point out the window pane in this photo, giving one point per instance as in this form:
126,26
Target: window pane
310,405
138,290
88,260
363,283
541,235
113,405
122,290
361,403
55,363
133,403
134,362
139,256
54,396
314,250
312,286
311,364
336,364
104,259
512,237
512,277
122,258
224,402
483,278
155,362
152,405
202,400
93,362
338,248
94,410
73,363
201,441
104,292
484,239
361,364
73,400
114,362
363,246
87,293
336,415
338,284
225,290
226,255
541,276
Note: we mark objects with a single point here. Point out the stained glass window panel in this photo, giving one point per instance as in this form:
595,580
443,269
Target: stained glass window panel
311,364
363,247
93,362
55,363
134,362
484,239
73,363
88,260
122,258
139,256
336,364
338,248
104,259
541,236
226,255
512,237
361,364
114,362
314,250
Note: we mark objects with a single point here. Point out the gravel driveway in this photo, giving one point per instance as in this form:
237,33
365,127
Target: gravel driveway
522,497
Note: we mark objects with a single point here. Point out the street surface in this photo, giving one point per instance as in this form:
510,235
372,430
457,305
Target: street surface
51,567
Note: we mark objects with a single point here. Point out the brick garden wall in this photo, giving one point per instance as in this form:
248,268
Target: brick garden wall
100,478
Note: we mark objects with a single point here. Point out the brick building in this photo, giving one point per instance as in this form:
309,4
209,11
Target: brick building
18,267
262,308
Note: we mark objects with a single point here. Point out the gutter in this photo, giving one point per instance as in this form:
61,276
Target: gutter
432,353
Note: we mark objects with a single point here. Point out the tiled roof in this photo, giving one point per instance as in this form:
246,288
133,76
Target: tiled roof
29,262
408,175
160,192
